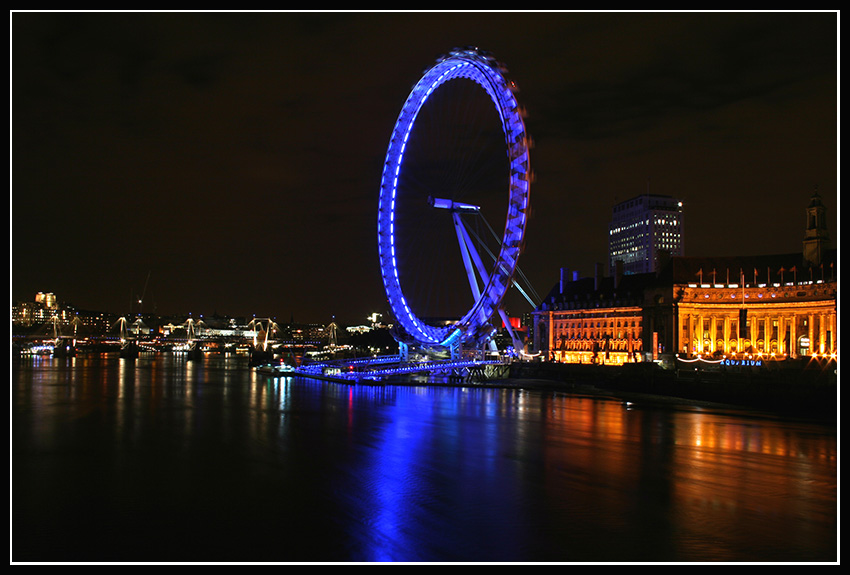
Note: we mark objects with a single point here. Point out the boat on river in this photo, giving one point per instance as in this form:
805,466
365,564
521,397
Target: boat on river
275,369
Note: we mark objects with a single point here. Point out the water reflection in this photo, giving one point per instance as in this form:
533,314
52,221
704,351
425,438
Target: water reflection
281,469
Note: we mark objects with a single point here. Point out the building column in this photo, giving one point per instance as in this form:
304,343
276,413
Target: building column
793,337
712,332
811,332
691,346
833,344
748,328
680,326
698,333
766,332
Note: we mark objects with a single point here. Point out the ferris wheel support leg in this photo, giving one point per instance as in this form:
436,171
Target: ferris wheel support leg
403,353
456,350
465,251
469,252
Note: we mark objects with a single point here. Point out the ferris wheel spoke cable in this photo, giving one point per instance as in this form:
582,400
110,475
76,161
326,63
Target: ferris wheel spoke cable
536,298
518,270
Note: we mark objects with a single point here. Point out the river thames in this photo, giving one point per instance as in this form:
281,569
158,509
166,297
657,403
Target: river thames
164,459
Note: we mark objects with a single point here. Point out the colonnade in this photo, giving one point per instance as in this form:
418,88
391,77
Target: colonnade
789,331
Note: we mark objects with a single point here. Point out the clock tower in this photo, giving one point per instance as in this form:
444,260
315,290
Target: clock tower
816,237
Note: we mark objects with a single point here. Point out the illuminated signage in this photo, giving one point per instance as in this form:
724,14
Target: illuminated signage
750,362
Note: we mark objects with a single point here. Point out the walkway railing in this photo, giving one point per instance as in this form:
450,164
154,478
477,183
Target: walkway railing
385,366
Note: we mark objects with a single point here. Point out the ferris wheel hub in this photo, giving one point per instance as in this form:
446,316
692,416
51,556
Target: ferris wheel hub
445,204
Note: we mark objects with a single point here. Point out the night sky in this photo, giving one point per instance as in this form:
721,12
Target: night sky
230,163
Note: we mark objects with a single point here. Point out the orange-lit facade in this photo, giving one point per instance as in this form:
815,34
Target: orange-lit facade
758,319
782,306
769,307
594,320
603,335
661,315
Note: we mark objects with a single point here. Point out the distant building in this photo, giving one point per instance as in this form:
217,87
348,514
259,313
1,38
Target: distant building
45,315
644,232
775,306
46,300
43,309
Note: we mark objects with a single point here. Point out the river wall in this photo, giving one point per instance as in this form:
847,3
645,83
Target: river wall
808,388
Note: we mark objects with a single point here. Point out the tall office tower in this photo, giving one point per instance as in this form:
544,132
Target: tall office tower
642,230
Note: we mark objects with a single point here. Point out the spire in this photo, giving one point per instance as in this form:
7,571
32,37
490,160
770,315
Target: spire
815,201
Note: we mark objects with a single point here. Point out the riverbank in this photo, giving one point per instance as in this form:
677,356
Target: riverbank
808,390
803,389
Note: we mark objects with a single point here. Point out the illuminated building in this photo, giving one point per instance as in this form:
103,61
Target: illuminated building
778,306
44,308
782,306
775,306
47,300
644,229
46,312
594,320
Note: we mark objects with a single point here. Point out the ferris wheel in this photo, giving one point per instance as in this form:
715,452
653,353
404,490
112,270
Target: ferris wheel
488,283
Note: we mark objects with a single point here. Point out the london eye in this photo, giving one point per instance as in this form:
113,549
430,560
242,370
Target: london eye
454,201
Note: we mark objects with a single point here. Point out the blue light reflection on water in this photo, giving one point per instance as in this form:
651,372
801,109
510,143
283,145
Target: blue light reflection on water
402,494
208,461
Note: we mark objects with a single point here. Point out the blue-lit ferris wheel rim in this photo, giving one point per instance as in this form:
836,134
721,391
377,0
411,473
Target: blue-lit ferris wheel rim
474,66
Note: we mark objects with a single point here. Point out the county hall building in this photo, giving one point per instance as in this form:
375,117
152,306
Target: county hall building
768,307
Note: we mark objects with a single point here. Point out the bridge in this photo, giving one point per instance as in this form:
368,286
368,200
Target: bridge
131,338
